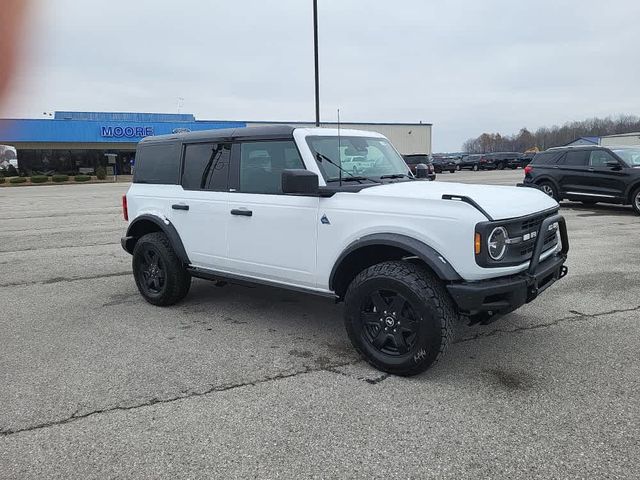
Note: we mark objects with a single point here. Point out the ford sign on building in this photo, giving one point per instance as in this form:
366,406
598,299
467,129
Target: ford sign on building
80,141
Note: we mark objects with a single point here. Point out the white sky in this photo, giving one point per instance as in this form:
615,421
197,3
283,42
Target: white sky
465,66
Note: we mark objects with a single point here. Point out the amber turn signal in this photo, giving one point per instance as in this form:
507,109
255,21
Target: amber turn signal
478,243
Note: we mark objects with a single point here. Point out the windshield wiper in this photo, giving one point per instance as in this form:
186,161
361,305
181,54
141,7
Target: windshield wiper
397,175
351,177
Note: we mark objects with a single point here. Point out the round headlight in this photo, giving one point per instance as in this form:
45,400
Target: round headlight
497,243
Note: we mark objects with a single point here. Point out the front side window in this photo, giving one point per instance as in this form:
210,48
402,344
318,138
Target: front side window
357,156
206,166
631,155
262,163
576,158
599,158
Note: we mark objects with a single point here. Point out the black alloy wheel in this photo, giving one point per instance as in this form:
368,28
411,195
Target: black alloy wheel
159,274
390,323
152,271
399,316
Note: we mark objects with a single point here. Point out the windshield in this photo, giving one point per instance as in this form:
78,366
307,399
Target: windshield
361,156
629,155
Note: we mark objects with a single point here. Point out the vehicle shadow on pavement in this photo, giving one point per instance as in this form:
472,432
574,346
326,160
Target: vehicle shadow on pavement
599,209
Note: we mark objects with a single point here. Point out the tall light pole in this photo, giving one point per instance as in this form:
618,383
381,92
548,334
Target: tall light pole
315,53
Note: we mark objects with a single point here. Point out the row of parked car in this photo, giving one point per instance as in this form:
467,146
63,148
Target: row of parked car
485,161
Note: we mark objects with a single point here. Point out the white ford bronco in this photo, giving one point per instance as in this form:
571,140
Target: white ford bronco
272,205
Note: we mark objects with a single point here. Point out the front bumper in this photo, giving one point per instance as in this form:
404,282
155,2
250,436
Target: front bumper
487,300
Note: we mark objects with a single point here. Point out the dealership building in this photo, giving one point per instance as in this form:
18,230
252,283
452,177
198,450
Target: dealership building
81,141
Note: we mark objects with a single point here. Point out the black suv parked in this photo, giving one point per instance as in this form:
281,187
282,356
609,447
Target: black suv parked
444,163
415,159
499,160
472,162
588,174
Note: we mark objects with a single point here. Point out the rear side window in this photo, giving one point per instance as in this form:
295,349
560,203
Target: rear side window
548,158
206,166
157,163
576,158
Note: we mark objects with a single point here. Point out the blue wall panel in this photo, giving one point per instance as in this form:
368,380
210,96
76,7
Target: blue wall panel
94,131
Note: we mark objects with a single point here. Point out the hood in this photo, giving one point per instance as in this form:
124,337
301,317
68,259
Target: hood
498,201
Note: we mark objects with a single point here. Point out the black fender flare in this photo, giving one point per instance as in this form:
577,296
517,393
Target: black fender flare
134,232
441,266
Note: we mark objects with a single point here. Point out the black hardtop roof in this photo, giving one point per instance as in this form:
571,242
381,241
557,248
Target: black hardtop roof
245,133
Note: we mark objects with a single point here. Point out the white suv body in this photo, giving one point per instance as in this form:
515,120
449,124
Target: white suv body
229,216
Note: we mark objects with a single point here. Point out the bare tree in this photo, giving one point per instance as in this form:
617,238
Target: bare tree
555,136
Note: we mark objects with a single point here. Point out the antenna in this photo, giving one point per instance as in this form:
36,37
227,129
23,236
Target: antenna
339,151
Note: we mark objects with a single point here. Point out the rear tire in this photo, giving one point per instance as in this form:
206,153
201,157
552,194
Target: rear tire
550,189
635,200
474,168
160,276
500,166
399,316
452,171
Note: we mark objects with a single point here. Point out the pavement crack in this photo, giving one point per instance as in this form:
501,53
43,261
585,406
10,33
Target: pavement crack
75,416
65,279
372,381
577,317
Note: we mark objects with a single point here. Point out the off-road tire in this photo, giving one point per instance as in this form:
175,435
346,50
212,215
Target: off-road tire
431,307
175,282
549,189
635,200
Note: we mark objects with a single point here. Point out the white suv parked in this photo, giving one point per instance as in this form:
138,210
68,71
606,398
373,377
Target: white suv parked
272,205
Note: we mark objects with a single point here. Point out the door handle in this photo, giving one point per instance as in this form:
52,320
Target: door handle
242,211
591,169
179,206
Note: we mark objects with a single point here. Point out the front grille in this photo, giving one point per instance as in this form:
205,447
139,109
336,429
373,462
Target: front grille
521,252
549,240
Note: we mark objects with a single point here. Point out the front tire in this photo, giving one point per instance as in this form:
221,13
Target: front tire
160,276
474,168
635,200
399,316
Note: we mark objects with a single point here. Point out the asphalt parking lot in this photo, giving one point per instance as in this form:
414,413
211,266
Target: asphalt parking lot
240,382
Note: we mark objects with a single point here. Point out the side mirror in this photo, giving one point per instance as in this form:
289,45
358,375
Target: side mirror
613,165
421,171
299,181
